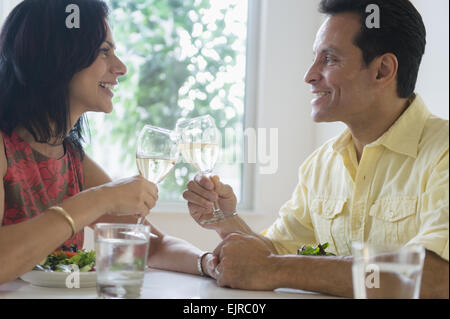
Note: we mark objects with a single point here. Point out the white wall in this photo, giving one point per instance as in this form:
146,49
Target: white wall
432,83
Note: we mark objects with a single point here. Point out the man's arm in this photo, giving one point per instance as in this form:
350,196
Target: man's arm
333,275
435,280
247,263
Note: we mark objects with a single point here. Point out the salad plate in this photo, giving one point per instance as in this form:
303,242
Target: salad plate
56,279
57,269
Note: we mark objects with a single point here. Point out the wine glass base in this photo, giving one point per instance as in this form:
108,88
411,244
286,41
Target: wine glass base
218,216
213,220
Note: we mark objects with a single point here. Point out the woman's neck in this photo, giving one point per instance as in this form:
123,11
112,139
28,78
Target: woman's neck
52,149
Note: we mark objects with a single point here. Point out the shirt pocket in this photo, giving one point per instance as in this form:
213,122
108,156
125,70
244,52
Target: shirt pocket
327,215
393,220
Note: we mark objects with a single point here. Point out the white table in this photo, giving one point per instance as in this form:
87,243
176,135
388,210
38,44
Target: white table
158,284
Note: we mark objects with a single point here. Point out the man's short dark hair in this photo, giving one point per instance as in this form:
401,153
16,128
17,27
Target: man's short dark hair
401,32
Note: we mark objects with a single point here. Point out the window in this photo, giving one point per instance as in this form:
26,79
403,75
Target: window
185,58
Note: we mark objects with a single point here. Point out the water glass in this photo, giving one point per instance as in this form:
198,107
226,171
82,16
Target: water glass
387,271
121,253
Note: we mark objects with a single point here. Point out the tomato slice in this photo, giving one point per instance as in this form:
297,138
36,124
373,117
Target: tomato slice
69,254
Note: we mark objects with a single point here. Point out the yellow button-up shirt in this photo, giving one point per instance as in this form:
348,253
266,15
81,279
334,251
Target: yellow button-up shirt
397,194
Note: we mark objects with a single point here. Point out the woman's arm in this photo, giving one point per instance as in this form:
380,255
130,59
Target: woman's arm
25,244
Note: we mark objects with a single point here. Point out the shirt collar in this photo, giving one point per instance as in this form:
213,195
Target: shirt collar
342,141
403,136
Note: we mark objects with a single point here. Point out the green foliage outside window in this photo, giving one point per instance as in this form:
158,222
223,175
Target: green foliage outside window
179,55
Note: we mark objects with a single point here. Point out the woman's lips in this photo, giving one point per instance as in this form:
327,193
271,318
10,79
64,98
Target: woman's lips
107,88
107,91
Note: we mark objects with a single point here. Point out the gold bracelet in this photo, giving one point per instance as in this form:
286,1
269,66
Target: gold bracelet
63,212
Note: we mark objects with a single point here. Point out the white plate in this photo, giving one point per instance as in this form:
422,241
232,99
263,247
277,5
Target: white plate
58,279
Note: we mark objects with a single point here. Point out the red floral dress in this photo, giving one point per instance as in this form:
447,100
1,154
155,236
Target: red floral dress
34,182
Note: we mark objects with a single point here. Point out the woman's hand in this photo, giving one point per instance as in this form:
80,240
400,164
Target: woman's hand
209,264
201,194
129,196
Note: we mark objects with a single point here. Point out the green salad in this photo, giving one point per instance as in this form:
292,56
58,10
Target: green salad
63,260
318,250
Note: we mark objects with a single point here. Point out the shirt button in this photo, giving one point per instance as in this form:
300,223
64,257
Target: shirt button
391,214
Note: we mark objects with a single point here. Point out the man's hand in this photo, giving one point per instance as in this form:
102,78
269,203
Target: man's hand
245,262
201,194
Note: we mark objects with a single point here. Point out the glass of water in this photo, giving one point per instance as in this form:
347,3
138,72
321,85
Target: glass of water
387,271
121,253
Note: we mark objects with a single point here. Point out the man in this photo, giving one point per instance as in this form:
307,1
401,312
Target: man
384,180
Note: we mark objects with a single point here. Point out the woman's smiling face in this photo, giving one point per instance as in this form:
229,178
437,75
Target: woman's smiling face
91,89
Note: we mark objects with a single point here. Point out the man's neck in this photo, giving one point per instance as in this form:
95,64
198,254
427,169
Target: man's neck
368,129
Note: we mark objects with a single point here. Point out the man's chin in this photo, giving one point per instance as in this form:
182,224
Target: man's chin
321,117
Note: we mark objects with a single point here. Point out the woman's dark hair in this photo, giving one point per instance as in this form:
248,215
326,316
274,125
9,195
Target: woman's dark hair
401,32
39,55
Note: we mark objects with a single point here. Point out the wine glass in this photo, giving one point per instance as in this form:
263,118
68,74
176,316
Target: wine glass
156,154
199,144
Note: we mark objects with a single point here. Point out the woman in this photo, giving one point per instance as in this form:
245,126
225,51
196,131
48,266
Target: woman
50,75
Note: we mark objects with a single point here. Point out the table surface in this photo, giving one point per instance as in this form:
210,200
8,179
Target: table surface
158,284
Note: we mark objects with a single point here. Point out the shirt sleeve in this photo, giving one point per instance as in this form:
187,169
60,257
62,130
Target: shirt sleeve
433,217
293,227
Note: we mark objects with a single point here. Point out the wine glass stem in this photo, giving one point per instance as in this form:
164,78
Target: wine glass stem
142,218
217,211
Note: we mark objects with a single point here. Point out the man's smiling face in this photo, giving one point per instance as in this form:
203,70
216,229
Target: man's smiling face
338,77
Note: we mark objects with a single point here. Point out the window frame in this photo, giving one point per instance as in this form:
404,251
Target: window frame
250,98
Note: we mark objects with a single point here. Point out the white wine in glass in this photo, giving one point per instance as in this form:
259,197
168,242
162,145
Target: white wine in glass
156,154
199,144
202,156
154,169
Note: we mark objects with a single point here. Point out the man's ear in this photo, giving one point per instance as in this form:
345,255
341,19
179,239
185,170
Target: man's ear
386,67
